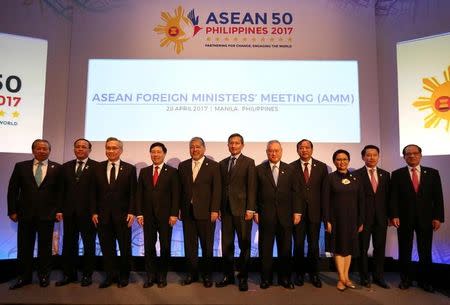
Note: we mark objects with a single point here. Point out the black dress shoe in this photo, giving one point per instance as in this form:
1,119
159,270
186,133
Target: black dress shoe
264,285
19,284
227,280
207,283
243,284
122,283
404,285
162,283
287,284
106,283
315,280
299,280
66,280
86,281
189,280
381,283
148,283
44,281
365,282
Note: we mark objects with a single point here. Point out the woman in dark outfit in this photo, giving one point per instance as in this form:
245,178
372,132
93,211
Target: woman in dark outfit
342,208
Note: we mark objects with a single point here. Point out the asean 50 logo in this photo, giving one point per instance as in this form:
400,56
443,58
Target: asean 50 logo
438,102
178,28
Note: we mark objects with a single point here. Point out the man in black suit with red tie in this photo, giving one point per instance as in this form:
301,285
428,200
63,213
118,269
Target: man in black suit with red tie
78,176
238,206
157,207
113,210
200,204
417,205
34,196
279,207
310,174
376,184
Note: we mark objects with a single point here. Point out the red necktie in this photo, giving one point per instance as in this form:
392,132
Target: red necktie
155,175
373,180
306,172
415,179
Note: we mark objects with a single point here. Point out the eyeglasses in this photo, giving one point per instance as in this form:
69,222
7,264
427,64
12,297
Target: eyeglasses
342,160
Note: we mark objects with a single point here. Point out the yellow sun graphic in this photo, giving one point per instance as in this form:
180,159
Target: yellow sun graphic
438,102
173,29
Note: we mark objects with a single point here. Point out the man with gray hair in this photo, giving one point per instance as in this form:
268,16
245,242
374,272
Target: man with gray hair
279,207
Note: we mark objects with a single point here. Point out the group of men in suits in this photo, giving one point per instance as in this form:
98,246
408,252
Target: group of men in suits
283,199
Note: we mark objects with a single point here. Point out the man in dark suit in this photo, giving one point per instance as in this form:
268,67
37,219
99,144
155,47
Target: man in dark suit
279,207
238,206
113,210
157,207
34,196
77,178
310,174
416,206
376,183
200,204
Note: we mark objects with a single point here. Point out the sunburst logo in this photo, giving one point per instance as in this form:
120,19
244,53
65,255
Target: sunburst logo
438,102
177,29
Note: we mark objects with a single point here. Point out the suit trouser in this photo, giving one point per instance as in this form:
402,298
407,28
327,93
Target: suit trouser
310,231
243,229
378,233
108,233
74,226
26,236
269,231
424,238
193,231
152,227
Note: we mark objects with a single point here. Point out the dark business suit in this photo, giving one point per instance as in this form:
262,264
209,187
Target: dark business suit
276,204
238,196
416,212
309,227
157,203
36,208
375,221
77,217
198,199
112,203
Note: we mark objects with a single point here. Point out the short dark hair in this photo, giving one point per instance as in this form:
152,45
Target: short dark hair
236,135
158,144
304,140
83,139
35,142
404,148
370,146
341,151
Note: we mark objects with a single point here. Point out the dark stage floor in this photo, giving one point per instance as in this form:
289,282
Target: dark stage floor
174,293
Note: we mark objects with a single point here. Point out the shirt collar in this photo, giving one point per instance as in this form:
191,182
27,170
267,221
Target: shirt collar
309,162
417,167
45,162
200,161
273,164
236,156
116,163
